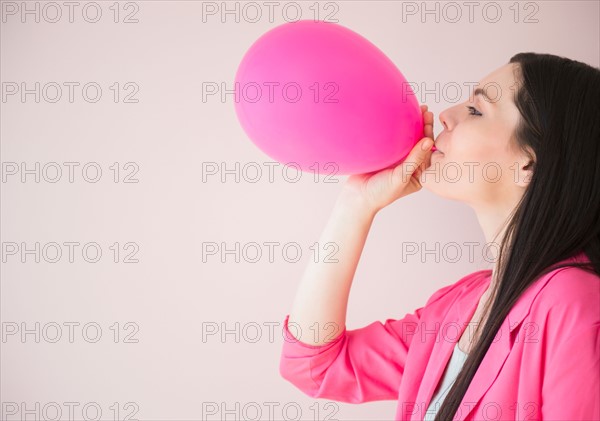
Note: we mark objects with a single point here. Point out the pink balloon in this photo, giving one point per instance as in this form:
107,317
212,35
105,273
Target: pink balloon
322,97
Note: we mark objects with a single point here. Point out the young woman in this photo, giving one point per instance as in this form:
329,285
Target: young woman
535,353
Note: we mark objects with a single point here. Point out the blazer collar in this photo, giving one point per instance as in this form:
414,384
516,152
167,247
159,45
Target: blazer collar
459,316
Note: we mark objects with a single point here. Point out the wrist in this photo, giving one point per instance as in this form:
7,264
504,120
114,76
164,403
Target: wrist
349,202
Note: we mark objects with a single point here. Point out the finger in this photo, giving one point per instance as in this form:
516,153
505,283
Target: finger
428,131
415,158
428,122
428,118
427,162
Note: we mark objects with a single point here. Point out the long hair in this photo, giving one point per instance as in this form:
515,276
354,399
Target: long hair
558,215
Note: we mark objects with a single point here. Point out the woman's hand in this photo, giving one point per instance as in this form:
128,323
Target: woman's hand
380,188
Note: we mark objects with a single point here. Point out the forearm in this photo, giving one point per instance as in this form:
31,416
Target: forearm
322,297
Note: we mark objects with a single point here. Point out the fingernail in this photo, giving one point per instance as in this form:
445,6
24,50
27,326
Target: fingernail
426,144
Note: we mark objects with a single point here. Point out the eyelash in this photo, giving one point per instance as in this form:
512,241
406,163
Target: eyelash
473,109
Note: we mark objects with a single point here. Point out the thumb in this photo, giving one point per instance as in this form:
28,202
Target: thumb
415,158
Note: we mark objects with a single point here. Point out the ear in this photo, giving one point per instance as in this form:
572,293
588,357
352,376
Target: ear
525,170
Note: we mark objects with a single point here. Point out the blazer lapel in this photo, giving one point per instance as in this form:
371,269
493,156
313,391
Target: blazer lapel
450,331
488,369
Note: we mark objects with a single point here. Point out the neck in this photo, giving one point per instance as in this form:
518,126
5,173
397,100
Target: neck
493,221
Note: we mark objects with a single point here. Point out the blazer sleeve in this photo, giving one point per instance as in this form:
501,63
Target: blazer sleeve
571,387
359,365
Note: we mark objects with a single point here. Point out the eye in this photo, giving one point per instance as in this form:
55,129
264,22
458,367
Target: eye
471,109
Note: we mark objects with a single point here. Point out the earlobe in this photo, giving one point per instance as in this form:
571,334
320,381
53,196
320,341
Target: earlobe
523,178
529,171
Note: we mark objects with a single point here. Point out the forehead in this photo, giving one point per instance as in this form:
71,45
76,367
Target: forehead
500,85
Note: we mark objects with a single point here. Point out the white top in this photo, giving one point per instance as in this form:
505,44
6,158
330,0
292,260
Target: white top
454,365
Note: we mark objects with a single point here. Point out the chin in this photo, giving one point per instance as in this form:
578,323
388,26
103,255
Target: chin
440,189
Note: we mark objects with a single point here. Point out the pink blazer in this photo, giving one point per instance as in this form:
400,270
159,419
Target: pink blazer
543,365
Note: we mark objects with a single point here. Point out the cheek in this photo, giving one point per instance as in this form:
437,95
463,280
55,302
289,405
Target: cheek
479,144
483,160
477,161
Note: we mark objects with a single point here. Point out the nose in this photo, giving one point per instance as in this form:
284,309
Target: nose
444,119
452,115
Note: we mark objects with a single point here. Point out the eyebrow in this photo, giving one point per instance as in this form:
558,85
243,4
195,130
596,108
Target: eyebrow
481,92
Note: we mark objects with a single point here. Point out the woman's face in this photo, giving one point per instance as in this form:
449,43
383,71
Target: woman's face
477,161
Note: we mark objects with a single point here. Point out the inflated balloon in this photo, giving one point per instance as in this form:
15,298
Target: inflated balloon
321,97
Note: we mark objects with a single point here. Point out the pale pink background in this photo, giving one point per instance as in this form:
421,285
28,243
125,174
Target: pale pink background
170,212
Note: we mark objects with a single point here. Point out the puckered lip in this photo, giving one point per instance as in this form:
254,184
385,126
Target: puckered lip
436,145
